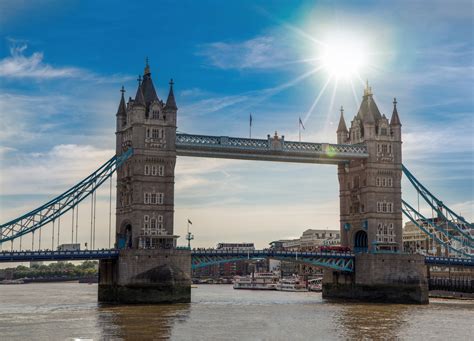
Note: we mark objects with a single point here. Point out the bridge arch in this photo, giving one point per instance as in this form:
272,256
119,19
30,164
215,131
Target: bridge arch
360,241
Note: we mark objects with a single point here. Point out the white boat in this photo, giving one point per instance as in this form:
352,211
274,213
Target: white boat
315,284
257,281
292,284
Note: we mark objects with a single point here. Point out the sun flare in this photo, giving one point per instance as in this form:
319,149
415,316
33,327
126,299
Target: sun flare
343,57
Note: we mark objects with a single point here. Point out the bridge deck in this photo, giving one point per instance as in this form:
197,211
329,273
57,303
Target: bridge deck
271,149
27,256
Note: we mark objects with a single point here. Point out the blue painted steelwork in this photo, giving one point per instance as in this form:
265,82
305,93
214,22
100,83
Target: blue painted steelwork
28,256
270,149
53,209
417,217
452,219
336,261
431,260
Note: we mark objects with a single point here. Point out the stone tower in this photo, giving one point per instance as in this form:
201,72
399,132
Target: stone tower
370,190
145,183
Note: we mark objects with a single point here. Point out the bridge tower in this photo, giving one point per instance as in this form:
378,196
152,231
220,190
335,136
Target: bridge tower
370,189
371,216
145,183
150,269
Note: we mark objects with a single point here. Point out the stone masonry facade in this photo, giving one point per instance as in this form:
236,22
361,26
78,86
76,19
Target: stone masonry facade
145,183
370,189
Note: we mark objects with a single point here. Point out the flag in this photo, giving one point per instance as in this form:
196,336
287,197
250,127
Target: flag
301,123
250,119
190,222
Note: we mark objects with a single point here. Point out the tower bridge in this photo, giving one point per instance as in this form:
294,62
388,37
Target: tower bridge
146,266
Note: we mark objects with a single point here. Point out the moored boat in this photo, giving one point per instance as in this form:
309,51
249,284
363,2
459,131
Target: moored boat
257,281
315,284
294,283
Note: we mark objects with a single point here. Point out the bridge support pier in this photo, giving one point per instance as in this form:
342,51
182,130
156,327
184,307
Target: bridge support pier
387,278
146,277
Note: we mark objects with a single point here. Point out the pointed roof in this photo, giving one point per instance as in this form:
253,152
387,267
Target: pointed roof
395,120
122,109
342,123
139,99
170,101
368,110
148,88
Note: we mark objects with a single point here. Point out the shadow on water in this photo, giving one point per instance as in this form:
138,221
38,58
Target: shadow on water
371,321
141,322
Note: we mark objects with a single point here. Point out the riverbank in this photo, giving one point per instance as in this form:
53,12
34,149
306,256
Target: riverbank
451,295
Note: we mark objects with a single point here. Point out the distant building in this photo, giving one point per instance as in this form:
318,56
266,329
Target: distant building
417,241
312,239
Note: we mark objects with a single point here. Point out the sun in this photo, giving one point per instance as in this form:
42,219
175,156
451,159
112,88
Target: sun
343,57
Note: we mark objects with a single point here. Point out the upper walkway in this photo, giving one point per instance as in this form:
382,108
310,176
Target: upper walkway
270,149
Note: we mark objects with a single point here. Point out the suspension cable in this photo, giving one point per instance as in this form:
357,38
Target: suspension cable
92,218
72,225
21,237
110,211
32,240
95,210
39,239
77,220
52,239
59,228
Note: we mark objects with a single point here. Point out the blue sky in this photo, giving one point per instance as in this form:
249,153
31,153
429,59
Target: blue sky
62,64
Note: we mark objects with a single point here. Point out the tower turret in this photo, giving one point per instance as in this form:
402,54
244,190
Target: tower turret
342,131
395,124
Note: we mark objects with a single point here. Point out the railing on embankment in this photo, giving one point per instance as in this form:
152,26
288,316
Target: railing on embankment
452,284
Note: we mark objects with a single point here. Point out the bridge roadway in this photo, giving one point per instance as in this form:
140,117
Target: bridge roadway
270,149
202,258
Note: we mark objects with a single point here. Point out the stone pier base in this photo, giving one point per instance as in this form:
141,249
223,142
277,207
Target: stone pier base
146,277
388,278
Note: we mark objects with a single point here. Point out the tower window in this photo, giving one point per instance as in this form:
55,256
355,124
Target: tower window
383,131
155,114
160,218
147,170
160,198
147,198
153,170
153,198
161,170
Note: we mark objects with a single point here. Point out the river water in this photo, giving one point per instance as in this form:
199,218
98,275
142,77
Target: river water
68,311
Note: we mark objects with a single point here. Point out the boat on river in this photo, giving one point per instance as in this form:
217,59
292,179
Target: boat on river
294,283
257,281
315,284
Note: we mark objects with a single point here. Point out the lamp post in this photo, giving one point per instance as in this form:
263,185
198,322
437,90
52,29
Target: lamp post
189,236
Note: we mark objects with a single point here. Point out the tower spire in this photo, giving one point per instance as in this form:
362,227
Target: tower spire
342,123
122,111
147,68
395,120
170,101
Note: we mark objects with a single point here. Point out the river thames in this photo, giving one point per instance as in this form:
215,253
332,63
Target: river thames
68,311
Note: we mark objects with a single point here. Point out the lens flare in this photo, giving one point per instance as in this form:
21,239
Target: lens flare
344,57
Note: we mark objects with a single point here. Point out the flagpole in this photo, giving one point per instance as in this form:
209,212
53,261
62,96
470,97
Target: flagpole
250,127
299,128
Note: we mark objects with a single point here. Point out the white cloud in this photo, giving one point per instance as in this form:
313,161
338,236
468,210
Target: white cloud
17,65
20,66
50,172
262,52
